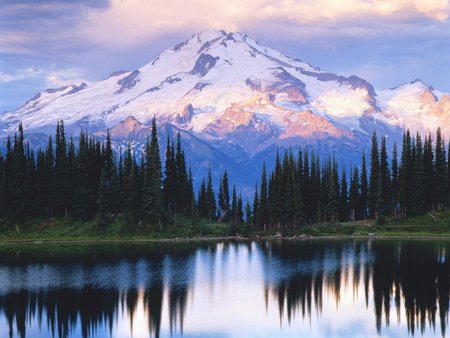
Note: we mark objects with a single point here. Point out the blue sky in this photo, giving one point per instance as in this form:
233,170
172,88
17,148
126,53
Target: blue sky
48,44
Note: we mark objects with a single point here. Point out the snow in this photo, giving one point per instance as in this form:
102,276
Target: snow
166,85
402,106
343,102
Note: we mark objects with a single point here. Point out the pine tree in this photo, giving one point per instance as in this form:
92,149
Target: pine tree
316,188
333,193
380,213
394,181
440,171
210,199
384,181
255,214
429,174
18,188
82,194
181,178
106,184
103,205
343,203
364,189
406,176
263,210
354,194
170,179
202,201
240,211
275,194
248,217
224,198
448,175
2,188
374,176
419,177
234,228
191,204
152,192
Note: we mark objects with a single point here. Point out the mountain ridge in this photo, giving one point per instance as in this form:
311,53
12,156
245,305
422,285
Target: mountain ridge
239,98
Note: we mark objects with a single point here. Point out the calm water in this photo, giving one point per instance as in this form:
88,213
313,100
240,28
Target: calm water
310,288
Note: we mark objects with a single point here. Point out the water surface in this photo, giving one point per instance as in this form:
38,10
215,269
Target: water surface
304,288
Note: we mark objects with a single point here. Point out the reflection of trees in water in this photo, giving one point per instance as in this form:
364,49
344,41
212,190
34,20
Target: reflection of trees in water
418,274
62,309
310,268
414,275
93,308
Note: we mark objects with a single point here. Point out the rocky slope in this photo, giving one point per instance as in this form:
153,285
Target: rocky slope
236,101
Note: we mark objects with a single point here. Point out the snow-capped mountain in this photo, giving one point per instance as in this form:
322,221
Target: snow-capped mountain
239,100
416,106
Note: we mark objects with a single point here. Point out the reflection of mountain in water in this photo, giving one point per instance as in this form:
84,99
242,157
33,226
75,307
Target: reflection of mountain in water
70,294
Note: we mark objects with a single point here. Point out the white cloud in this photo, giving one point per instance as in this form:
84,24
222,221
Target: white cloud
130,22
51,78
20,74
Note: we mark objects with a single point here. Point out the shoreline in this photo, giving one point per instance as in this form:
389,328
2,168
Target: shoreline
218,239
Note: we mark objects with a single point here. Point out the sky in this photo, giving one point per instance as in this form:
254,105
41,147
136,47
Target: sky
52,43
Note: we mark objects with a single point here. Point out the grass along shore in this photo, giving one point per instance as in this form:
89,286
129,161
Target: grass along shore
62,229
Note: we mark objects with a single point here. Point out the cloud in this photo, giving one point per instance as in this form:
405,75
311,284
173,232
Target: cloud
68,41
133,21
65,27
318,11
30,27
51,78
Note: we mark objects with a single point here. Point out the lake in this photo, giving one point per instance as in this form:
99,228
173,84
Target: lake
289,288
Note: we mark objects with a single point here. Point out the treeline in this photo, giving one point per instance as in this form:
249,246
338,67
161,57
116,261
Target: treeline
302,189
88,182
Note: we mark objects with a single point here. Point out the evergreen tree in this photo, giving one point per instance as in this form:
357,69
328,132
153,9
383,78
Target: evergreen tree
448,174
384,181
394,181
170,188
210,199
181,178
224,198
103,203
429,174
441,173
152,192
275,194
364,189
343,203
2,188
234,228
374,176
354,194
240,211
333,193
418,203
248,217
263,210
380,206
82,194
191,205
406,176
202,201
85,182
255,214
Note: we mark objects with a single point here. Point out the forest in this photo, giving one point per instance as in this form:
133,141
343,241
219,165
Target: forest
88,181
